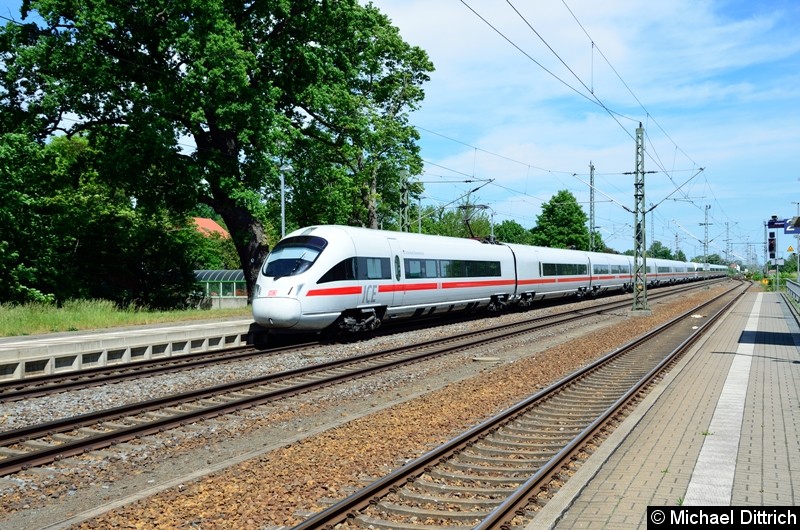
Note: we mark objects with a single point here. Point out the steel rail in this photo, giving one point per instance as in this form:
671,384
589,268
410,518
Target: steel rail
104,439
36,386
372,493
515,504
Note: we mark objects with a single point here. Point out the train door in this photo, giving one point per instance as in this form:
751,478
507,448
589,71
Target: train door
397,272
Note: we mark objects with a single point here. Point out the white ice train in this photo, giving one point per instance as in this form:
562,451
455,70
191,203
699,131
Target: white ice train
355,278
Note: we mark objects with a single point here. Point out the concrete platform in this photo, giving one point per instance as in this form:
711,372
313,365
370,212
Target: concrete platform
31,356
722,429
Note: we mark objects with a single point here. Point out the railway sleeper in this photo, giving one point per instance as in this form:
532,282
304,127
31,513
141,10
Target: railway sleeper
441,473
515,440
478,472
367,522
425,483
417,513
553,415
115,426
570,402
65,437
38,444
546,426
501,460
510,450
473,504
89,431
139,420
192,407
160,415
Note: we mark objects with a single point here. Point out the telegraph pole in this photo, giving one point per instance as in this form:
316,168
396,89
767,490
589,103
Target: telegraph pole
639,233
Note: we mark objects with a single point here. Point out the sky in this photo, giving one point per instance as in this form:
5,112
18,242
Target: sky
530,93
526,94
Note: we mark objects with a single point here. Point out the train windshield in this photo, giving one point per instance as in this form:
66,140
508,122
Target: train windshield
293,256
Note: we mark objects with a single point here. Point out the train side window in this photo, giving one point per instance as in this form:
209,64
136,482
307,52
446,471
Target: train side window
564,269
483,268
376,269
429,269
413,268
421,268
397,267
342,271
453,268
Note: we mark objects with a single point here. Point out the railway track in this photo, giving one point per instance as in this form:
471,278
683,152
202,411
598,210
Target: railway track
41,444
31,387
91,377
497,474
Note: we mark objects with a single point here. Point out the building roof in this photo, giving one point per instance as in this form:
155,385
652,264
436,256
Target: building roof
219,275
209,226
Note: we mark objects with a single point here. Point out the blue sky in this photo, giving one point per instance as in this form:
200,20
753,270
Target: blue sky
716,85
558,84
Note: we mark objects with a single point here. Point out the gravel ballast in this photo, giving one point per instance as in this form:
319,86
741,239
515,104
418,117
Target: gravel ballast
273,465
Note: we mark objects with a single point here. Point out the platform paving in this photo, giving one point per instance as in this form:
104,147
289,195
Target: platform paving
721,429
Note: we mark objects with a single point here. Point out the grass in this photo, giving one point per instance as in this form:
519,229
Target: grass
82,315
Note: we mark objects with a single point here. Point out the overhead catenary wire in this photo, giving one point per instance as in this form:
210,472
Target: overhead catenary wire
593,96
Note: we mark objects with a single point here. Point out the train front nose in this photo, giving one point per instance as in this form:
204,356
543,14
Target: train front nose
276,312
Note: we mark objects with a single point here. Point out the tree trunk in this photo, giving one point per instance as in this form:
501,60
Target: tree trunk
248,237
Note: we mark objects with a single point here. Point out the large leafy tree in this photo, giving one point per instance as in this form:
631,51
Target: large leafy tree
512,232
207,100
562,224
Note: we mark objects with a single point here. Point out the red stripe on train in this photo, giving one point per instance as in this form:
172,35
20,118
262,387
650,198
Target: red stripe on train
479,283
335,291
407,287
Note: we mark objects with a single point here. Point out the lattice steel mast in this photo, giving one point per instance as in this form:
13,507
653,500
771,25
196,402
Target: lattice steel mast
639,233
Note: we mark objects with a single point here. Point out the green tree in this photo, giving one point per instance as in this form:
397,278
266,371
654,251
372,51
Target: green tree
68,234
21,162
211,251
204,101
512,232
658,250
714,259
466,221
562,224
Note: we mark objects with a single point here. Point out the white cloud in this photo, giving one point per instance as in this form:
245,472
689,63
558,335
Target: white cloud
719,77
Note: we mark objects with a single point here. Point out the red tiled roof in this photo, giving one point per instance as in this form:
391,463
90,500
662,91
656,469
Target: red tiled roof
208,226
